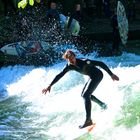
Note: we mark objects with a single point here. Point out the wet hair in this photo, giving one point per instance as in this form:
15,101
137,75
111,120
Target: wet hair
68,54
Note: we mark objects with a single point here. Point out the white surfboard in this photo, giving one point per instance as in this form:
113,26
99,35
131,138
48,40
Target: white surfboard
122,22
24,48
74,27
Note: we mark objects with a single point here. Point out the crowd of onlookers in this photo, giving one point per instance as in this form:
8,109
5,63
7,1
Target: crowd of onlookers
81,11
90,8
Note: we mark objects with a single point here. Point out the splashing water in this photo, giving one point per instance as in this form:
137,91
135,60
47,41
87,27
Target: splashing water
27,114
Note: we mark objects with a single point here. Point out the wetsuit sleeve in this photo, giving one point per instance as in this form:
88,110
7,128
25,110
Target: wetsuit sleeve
60,75
103,66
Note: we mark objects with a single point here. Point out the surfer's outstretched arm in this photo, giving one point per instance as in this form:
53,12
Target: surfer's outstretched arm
105,67
56,79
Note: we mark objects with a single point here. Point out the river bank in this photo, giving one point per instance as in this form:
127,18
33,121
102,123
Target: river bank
94,30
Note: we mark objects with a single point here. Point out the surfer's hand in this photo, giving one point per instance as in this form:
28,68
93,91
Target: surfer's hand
114,77
45,90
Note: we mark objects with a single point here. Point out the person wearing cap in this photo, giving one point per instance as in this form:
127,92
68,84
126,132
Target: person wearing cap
86,67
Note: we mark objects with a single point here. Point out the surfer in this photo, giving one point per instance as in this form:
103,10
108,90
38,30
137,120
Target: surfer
86,67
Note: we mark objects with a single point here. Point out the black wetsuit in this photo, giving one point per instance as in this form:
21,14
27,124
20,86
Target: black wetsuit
87,67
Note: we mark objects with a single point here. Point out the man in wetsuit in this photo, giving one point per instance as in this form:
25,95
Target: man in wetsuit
86,67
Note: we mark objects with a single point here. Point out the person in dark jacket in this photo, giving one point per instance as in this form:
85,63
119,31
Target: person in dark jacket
106,8
52,13
77,14
53,19
85,67
116,34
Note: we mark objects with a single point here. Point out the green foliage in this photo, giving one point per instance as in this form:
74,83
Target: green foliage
130,115
23,3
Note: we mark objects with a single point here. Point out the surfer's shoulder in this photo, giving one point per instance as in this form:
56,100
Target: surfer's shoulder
88,61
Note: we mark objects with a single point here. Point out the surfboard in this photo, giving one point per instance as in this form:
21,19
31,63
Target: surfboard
74,26
122,22
24,48
86,133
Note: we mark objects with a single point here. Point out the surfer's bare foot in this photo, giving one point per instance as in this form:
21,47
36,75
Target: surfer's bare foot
87,123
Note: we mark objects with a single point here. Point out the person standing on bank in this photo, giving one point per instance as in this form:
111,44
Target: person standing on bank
115,33
53,19
85,67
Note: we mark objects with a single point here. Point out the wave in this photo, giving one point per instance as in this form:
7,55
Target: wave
27,113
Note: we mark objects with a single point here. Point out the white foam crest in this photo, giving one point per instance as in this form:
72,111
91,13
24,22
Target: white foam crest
65,99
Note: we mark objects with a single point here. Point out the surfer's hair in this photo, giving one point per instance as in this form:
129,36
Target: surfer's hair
68,54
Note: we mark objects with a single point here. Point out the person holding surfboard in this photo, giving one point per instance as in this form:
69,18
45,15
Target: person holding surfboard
85,67
77,14
115,33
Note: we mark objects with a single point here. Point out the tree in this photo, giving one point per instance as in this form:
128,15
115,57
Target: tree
22,4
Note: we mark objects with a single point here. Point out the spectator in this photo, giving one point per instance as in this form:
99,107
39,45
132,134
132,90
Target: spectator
52,13
116,35
106,8
53,20
78,14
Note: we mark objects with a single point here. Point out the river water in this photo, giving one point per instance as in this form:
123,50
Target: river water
27,114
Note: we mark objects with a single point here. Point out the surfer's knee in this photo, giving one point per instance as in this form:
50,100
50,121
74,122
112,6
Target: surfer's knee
86,96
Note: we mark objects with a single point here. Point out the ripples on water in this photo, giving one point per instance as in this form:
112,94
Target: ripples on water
27,114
